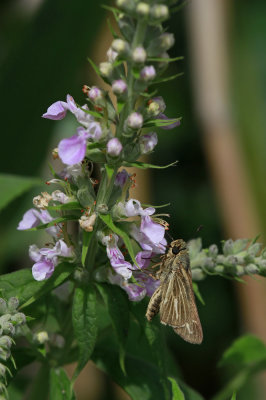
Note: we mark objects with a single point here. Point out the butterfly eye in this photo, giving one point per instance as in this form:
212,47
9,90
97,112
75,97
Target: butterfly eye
175,250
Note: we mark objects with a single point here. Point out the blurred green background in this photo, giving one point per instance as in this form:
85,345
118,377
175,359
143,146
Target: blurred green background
44,45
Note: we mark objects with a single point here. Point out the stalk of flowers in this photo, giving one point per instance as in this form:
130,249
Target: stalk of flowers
110,136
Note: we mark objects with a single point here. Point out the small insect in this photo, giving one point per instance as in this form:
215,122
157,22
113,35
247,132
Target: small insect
174,298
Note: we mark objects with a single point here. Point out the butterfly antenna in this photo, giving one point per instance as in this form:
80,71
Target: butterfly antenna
170,237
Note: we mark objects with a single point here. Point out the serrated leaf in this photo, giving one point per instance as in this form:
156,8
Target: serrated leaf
244,352
107,219
141,165
197,293
21,284
177,393
54,222
72,205
116,302
85,245
60,385
169,78
84,323
12,186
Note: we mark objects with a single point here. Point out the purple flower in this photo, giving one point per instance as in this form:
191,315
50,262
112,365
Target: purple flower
150,235
117,260
148,142
135,292
95,93
95,131
133,208
42,270
135,120
56,111
170,126
148,73
114,147
32,218
119,86
121,178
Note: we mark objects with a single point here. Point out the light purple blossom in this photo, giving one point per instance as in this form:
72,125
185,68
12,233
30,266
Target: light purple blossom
111,55
135,120
148,142
148,73
134,292
117,260
149,235
119,86
42,270
95,93
170,126
56,111
114,147
121,178
133,208
95,131
57,195
33,217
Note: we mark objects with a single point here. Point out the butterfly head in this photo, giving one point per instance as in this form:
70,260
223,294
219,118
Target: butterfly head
177,246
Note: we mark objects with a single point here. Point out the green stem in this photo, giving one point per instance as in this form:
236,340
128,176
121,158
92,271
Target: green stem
137,40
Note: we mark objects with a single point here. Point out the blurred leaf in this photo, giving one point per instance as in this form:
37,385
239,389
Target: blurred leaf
234,396
60,385
197,293
161,122
12,186
141,165
177,393
169,78
244,352
84,324
107,219
22,285
116,302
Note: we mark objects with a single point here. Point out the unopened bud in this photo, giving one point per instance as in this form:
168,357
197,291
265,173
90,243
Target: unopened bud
114,147
102,208
219,269
41,337
159,12
18,318
12,304
240,271
148,73
8,328
119,211
139,55
120,46
156,106
87,223
135,120
213,250
5,341
252,269
148,142
106,69
228,247
254,249
166,41
119,87
143,9
197,274
3,306
111,55
95,93
4,353
2,371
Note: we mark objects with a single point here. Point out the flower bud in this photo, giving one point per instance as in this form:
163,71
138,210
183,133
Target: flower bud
139,55
102,208
135,120
231,261
252,269
197,274
213,250
159,12
114,147
119,211
148,73
2,371
8,328
194,246
87,222
120,46
5,318
111,55
228,247
148,142
166,41
254,249
12,304
121,178
219,269
4,353
119,87
127,5
143,9
18,318
41,337
3,306
240,271
95,93
106,69
156,106
6,341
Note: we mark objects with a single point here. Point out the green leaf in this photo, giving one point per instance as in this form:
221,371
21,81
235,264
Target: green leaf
233,396
54,222
165,59
197,293
94,66
245,351
12,186
85,245
84,324
161,122
114,10
116,302
160,206
109,171
73,205
141,165
177,393
107,219
60,385
22,285
93,113
169,78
